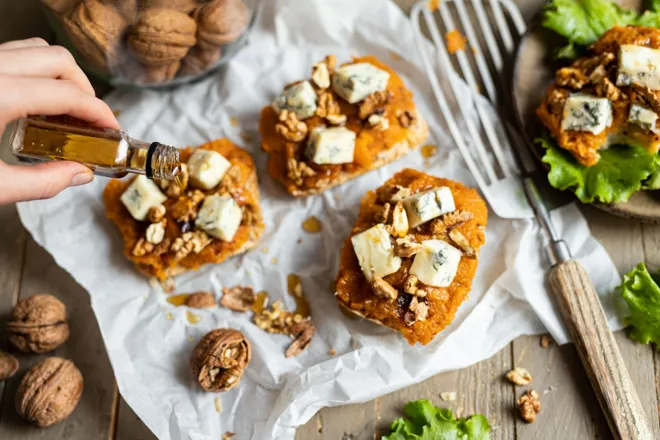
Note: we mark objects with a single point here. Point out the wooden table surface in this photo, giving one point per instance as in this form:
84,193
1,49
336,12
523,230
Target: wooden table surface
570,410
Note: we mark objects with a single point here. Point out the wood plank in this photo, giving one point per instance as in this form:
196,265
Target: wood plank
94,416
129,425
354,422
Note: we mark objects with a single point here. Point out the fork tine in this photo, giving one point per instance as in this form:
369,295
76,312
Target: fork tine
503,28
464,107
472,83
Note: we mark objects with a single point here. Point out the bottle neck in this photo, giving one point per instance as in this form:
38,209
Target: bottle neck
155,160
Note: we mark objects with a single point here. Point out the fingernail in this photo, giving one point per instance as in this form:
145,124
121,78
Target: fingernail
82,178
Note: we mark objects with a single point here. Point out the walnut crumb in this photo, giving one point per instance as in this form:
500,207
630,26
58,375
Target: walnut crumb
379,122
410,285
290,128
156,213
332,352
448,396
296,171
168,285
329,109
529,405
142,248
417,311
545,341
392,193
406,118
383,289
374,103
228,435
571,77
519,376
463,243
382,213
406,247
399,221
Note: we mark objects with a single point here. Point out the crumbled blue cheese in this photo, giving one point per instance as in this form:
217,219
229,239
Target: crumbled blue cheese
219,217
436,264
355,82
375,252
427,205
638,64
642,116
300,98
584,112
332,145
207,168
140,196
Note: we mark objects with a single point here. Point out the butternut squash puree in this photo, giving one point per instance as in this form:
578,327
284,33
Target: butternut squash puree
369,142
355,293
584,145
131,230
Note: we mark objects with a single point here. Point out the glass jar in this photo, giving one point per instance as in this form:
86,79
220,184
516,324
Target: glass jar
151,43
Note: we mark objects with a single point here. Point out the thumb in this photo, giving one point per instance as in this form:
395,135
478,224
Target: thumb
42,181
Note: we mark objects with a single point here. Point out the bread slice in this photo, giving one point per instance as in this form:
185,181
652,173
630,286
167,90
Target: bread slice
356,294
374,147
163,262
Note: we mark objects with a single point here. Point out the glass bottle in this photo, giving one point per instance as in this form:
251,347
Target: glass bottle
107,152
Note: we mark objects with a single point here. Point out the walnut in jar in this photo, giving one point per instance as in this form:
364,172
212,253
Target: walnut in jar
38,324
49,392
219,359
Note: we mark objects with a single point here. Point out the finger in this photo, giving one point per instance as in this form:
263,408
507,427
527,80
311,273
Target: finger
41,96
42,181
19,44
44,62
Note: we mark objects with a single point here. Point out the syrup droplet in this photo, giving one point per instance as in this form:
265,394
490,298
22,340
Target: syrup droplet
296,291
428,150
234,122
264,250
273,260
193,318
178,300
191,339
261,302
312,225
395,56
170,317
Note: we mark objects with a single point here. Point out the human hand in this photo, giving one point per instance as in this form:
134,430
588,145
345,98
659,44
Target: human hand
38,79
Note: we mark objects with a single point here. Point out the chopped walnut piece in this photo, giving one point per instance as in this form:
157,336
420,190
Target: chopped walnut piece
399,221
321,75
379,122
142,248
406,118
591,64
155,232
189,242
383,213
383,289
598,74
303,332
529,406
448,396
455,218
607,89
406,247
557,100
392,193
174,189
329,109
463,243
228,435
185,209
374,103
410,285
648,96
519,376
417,311
571,77
297,170
545,341
276,320
238,298
201,300
230,181
156,213
290,128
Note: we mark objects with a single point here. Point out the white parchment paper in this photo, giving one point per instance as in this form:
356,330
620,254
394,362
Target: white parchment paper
150,352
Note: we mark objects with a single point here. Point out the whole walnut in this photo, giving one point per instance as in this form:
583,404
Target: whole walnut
220,22
219,359
38,324
198,60
162,36
49,392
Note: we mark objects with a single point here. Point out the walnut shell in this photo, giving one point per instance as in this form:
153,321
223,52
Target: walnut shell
38,324
8,365
219,359
220,22
61,7
162,36
49,392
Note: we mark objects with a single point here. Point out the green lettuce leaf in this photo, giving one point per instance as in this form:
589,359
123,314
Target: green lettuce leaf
621,171
424,421
640,290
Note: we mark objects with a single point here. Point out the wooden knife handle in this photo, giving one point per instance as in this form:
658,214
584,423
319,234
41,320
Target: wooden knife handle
585,319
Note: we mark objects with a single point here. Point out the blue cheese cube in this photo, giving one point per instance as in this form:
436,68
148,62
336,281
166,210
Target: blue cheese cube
333,145
436,264
643,117
140,196
207,168
586,113
219,217
427,205
638,64
355,82
299,98
375,252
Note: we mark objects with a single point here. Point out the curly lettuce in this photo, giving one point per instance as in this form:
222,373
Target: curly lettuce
641,291
621,171
425,421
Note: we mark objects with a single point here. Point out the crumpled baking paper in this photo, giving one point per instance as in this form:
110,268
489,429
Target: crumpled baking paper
149,341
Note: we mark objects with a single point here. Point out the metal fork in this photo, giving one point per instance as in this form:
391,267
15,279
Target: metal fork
508,185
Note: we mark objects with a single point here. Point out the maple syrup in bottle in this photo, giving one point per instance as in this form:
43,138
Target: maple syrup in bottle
107,152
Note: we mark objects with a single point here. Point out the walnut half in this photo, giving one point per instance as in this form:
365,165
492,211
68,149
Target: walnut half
220,358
